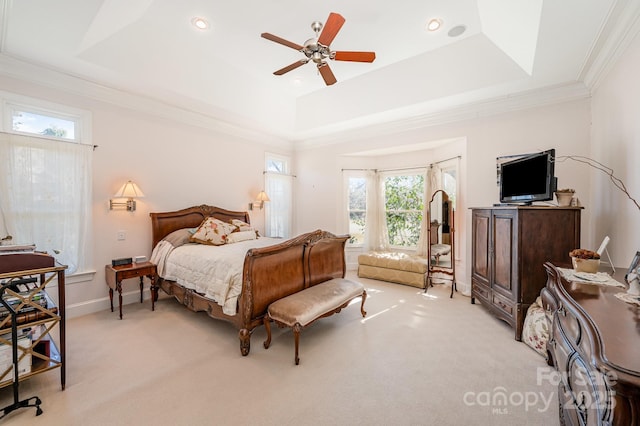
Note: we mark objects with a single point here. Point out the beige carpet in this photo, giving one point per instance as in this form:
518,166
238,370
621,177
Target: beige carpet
415,360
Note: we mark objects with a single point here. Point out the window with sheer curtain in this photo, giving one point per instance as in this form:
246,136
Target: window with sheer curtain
278,184
45,182
385,209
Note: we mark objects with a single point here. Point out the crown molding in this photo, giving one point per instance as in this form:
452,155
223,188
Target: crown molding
433,115
391,122
54,79
623,25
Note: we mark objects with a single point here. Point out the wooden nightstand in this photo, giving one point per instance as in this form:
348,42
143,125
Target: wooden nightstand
115,274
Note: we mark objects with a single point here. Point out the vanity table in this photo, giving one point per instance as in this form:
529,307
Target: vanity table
594,345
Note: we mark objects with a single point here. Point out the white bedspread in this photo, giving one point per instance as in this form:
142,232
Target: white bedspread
214,271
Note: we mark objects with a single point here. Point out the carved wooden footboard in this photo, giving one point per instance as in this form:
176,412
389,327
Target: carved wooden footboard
269,273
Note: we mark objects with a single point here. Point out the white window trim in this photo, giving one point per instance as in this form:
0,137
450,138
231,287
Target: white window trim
345,199
406,172
11,101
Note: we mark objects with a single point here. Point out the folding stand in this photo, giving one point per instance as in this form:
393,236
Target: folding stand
16,380
603,248
613,268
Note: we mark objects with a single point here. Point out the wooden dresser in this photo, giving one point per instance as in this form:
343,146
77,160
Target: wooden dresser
595,347
509,247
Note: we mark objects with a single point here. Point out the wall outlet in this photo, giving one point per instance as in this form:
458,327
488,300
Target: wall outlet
121,235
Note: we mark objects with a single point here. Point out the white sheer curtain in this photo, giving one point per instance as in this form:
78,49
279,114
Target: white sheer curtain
45,188
433,183
376,212
278,211
371,237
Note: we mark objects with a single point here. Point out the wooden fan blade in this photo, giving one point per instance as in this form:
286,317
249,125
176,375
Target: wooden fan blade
293,66
355,56
330,29
327,74
281,41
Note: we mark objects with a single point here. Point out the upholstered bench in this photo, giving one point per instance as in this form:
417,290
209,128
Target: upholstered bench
395,267
304,307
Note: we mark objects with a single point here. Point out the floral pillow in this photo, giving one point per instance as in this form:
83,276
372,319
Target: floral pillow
213,231
241,226
535,332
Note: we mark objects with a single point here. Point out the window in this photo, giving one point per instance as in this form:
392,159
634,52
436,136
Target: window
35,117
43,125
404,208
45,178
449,183
357,208
279,187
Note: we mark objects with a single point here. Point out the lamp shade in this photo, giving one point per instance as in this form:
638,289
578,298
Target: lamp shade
129,190
262,196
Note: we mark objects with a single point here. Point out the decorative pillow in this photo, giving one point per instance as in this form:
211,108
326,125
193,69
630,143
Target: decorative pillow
179,237
242,226
535,332
236,237
212,231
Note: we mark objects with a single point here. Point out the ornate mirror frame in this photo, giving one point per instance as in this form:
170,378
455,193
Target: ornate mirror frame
436,246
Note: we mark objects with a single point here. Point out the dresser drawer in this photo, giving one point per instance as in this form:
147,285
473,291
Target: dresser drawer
561,347
480,291
569,326
503,304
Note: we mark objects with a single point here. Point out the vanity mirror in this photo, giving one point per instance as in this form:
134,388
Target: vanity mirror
441,247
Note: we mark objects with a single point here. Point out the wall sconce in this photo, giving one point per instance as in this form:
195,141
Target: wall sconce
259,202
130,191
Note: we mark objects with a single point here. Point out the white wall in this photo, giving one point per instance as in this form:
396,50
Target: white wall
179,165
616,144
565,127
176,165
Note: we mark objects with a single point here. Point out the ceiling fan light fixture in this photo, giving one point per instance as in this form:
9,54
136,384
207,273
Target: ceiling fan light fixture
318,49
200,23
434,24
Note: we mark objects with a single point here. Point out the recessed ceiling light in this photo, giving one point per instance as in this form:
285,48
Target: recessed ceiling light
434,24
200,23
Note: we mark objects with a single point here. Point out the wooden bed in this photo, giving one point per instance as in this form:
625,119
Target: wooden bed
269,273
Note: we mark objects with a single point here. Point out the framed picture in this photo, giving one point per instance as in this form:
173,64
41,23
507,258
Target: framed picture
634,265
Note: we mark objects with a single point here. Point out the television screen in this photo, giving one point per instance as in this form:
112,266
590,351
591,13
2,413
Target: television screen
528,179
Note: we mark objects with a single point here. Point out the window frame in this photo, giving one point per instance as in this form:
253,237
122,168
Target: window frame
348,175
275,208
82,119
405,172
11,102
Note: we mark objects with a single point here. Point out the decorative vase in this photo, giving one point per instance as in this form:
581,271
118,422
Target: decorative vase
564,198
585,265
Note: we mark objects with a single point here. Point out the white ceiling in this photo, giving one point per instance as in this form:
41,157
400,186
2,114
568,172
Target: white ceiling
149,47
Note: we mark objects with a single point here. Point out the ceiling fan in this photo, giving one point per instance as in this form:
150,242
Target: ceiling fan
317,49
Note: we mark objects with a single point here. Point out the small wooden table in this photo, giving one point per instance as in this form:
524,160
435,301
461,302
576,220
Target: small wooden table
115,274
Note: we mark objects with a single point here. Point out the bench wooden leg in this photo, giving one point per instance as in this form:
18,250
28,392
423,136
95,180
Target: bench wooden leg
267,326
296,338
364,297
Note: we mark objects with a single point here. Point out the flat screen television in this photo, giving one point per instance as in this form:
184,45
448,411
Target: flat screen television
529,178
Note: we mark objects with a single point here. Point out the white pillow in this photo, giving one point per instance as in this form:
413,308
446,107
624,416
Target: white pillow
236,237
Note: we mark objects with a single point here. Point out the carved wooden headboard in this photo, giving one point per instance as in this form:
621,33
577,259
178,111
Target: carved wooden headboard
162,224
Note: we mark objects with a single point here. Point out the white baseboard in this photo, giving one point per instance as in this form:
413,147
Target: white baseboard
96,305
